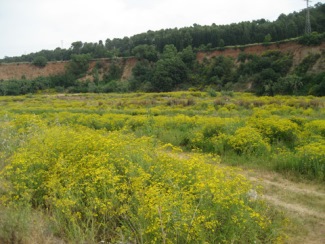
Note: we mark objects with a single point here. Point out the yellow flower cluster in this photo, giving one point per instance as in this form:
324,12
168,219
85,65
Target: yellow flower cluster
247,140
311,159
275,128
110,166
117,184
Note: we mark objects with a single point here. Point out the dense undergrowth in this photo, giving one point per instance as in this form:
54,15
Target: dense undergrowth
112,167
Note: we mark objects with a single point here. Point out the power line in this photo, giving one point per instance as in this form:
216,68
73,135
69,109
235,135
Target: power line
308,26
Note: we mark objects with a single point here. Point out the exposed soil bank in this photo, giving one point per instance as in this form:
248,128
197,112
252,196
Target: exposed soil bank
19,70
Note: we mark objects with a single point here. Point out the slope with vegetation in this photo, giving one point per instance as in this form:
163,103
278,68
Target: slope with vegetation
167,60
293,68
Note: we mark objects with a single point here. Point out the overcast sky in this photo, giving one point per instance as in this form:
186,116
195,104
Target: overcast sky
32,25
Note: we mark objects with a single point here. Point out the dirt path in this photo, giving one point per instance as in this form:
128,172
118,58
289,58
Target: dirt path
303,203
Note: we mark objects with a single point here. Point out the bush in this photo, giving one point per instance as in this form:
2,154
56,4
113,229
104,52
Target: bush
10,87
316,127
307,63
248,141
39,61
79,64
311,160
312,40
308,161
276,129
115,187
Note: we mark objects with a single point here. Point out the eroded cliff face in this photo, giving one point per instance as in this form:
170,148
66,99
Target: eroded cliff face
29,71
10,71
298,51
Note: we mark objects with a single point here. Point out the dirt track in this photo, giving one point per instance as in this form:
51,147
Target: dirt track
304,203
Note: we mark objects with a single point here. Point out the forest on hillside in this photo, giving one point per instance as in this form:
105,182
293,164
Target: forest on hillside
197,36
167,61
271,73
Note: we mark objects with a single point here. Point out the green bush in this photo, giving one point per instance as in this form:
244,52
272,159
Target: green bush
312,39
307,63
308,161
39,61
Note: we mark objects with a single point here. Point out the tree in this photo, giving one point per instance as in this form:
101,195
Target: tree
318,84
76,47
170,51
289,85
221,43
100,50
39,61
142,76
267,38
170,70
114,73
79,64
188,56
145,51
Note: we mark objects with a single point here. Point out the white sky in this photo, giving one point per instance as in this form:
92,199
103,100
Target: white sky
32,25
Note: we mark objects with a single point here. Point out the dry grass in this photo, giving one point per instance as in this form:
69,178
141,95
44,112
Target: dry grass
303,203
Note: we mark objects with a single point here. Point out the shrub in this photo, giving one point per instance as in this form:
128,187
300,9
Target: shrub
277,129
212,92
79,64
114,187
316,127
311,160
39,61
313,39
249,141
308,161
14,224
307,63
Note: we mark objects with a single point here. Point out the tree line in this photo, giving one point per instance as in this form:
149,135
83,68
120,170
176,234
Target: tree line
269,74
167,61
197,36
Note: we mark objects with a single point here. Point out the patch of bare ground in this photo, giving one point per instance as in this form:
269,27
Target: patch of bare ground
302,202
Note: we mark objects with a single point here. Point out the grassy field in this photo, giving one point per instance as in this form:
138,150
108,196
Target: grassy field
156,167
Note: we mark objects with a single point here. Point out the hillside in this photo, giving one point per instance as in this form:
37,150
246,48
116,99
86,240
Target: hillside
265,69
9,71
299,52
217,57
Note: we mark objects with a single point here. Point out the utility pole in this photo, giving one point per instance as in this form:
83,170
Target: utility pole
308,26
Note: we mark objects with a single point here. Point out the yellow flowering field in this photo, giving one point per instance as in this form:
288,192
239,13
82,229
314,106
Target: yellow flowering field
145,168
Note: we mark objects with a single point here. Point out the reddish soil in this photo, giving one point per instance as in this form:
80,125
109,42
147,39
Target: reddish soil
19,70
299,52
29,71
128,67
